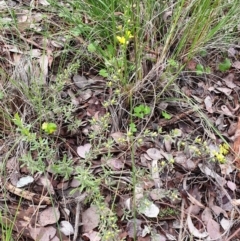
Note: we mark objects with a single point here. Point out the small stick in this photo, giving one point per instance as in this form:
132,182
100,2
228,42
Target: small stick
234,234
76,226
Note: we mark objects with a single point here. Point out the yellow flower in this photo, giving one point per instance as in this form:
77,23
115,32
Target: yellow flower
124,40
220,157
121,40
224,149
198,140
128,35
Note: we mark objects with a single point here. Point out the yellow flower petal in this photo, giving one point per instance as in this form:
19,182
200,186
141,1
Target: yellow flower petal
121,40
44,126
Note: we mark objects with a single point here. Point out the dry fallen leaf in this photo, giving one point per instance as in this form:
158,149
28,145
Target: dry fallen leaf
154,153
90,219
212,174
92,236
66,228
44,2
134,227
229,81
213,229
44,181
226,224
217,210
24,181
42,233
158,237
208,104
115,164
231,185
236,64
236,202
232,52
225,90
206,215
195,232
83,150
49,216
148,208
75,183
184,161
168,144
226,111
193,209
157,194
118,137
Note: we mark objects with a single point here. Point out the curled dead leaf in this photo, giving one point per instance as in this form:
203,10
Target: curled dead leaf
194,231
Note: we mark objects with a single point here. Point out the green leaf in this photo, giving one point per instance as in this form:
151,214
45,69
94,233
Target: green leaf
141,110
147,110
203,53
49,128
225,65
166,115
199,69
173,63
138,109
17,120
91,48
76,31
103,73
132,127
208,70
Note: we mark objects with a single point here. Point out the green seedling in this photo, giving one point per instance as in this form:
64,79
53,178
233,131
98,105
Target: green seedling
225,65
63,168
132,127
92,48
141,111
49,128
103,73
166,115
203,53
173,63
200,69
